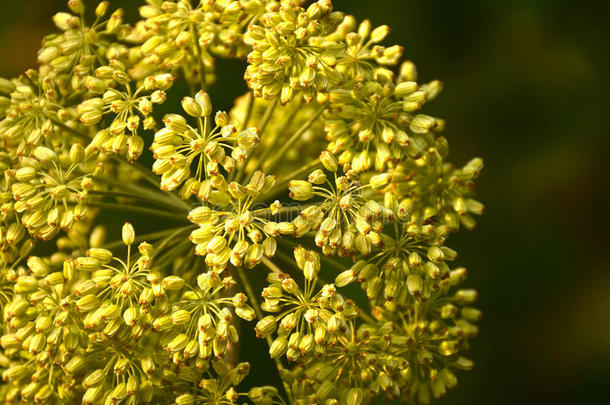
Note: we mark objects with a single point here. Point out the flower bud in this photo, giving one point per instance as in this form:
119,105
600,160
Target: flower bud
203,99
300,190
102,9
355,396
173,283
380,181
379,33
265,326
317,177
185,399
466,296
346,277
414,284
278,347
76,365
180,317
44,154
329,161
192,107
178,343
128,234
464,363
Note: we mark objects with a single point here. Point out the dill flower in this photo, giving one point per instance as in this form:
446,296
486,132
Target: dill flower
243,216
201,323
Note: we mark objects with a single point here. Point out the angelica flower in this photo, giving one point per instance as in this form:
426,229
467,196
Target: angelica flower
51,191
75,49
345,220
363,54
130,108
306,317
375,125
354,367
178,146
289,54
328,155
434,345
201,324
437,192
229,229
414,257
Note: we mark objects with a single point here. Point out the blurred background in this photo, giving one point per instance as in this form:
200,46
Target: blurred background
527,88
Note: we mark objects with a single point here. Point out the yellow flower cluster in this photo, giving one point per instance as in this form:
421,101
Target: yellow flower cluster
258,221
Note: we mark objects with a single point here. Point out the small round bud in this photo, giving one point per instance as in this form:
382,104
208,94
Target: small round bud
128,234
380,181
329,161
203,99
102,8
191,107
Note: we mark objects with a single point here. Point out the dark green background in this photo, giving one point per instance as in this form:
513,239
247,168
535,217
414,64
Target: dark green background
526,88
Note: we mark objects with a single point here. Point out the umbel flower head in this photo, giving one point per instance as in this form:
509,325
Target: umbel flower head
316,214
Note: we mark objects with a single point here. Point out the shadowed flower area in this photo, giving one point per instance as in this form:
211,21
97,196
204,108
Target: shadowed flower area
526,86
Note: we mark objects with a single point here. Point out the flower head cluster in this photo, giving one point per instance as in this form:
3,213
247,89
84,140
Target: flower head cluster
326,169
354,369
129,108
30,105
414,257
76,49
432,339
437,192
290,53
376,124
229,229
306,316
346,222
201,323
50,191
179,148
171,38
363,52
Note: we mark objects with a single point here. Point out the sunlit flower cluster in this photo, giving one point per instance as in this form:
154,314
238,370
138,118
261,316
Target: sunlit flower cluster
303,234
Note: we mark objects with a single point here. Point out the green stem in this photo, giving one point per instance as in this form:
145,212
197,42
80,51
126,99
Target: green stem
249,109
297,173
172,253
271,266
152,194
367,318
120,194
201,70
137,210
67,128
170,238
261,129
141,238
267,116
280,154
259,314
277,135
146,173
